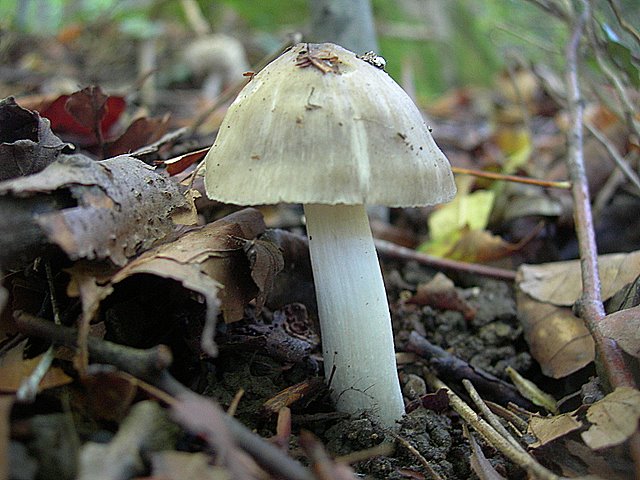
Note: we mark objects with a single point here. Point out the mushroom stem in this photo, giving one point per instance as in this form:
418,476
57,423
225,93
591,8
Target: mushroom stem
357,340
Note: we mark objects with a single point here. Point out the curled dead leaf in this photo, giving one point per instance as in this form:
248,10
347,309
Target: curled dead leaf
27,144
116,207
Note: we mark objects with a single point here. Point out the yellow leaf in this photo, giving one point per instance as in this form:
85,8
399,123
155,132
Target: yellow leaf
470,210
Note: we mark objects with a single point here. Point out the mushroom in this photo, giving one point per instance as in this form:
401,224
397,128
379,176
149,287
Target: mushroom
329,129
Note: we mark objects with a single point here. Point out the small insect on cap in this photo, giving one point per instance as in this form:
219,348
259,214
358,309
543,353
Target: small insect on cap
321,124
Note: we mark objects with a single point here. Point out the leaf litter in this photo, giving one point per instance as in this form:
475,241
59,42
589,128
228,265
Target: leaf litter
228,266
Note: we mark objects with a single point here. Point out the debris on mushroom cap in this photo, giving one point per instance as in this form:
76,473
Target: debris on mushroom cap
321,125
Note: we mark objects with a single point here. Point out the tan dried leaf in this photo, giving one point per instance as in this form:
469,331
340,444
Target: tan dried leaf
624,328
560,283
613,419
547,429
557,339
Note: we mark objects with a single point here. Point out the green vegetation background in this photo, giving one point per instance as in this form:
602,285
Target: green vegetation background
464,45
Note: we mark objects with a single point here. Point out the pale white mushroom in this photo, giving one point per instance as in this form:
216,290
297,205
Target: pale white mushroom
326,128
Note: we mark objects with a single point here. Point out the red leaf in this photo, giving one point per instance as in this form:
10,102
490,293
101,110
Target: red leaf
73,125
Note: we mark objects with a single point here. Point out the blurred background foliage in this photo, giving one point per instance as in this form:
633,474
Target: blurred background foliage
443,43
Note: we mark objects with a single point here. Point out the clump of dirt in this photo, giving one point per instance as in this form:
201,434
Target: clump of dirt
492,340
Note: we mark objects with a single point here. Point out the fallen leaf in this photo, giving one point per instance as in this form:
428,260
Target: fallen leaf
481,246
141,132
560,283
548,429
120,206
624,328
86,107
12,374
210,261
182,162
479,463
27,144
466,209
557,339
613,419
265,261
440,293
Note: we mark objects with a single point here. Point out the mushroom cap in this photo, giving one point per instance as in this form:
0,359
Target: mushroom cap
322,125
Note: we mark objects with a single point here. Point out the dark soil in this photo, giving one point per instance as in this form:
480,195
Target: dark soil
491,341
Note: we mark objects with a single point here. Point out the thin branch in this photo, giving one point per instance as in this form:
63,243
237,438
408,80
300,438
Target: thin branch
414,451
151,366
627,105
512,178
488,414
591,309
513,453
622,164
29,386
391,250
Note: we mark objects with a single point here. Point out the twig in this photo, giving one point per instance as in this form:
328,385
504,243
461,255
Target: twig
515,454
610,359
622,164
626,103
29,386
512,178
488,414
590,305
456,369
414,451
391,250
151,366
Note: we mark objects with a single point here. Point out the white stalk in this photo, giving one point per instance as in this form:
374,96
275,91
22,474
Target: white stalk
354,314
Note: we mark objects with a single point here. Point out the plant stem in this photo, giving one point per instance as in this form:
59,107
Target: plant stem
511,178
355,323
614,370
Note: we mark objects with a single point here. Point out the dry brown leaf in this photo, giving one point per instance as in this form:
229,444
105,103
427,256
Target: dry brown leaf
547,429
142,131
560,283
479,463
122,206
558,340
614,418
210,261
624,328
27,144
481,246
440,293
266,261
13,373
